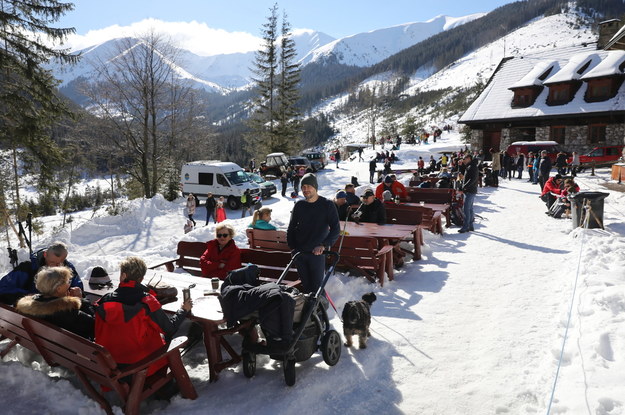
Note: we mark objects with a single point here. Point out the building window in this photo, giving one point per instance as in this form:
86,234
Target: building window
596,133
602,89
558,134
560,95
524,97
563,93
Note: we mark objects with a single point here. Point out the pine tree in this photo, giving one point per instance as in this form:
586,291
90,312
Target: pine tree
274,122
288,117
28,101
260,140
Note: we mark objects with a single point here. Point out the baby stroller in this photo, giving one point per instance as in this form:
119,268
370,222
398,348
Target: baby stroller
311,332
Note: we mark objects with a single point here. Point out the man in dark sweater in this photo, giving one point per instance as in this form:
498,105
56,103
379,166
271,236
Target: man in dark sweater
469,188
314,227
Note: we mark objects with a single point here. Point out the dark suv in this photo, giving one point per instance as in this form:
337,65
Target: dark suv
299,162
317,159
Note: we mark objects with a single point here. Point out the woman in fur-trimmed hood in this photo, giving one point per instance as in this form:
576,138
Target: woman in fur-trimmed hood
55,304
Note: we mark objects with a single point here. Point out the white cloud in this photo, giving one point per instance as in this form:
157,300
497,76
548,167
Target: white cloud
194,36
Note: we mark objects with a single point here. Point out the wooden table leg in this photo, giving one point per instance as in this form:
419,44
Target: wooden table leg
213,347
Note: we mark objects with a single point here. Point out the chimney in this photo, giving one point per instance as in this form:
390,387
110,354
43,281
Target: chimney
607,30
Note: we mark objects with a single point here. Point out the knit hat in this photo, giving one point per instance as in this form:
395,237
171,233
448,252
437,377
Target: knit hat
387,195
310,180
341,194
388,180
99,276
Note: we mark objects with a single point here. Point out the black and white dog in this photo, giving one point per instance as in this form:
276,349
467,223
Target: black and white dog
357,318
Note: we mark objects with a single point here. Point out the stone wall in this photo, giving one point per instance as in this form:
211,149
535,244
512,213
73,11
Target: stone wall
477,139
543,133
577,137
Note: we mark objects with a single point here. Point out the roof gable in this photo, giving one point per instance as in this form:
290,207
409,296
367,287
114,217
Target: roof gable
494,103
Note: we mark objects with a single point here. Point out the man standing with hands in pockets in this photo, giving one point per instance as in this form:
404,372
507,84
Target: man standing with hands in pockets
469,188
314,227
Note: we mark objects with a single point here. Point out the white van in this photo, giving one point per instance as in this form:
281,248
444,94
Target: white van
219,178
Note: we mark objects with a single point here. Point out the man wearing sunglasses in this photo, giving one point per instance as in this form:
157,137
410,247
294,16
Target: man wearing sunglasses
314,227
222,255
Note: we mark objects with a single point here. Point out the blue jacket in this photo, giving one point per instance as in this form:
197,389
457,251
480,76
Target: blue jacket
22,279
263,224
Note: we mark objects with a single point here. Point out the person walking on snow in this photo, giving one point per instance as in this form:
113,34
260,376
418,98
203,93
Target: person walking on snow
191,207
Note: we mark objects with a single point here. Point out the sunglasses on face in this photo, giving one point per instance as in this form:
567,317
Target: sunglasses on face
223,235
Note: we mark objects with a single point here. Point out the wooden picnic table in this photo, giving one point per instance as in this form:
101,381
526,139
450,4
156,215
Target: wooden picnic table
388,233
206,312
444,208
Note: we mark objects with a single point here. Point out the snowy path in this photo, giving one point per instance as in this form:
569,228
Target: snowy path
480,322
474,328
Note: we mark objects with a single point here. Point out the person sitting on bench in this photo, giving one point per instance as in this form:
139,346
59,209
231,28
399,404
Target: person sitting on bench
21,281
56,304
130,322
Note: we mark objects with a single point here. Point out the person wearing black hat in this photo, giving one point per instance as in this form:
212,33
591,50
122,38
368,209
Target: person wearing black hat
314,227
469,189
372,209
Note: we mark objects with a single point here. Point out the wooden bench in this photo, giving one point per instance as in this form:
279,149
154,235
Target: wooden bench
189,254
424,217
429,195
271,265
361,253
267,240
93,363
432,180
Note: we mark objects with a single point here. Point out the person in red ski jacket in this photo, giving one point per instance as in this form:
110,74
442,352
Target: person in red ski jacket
130,322
551,188
221,255
552,185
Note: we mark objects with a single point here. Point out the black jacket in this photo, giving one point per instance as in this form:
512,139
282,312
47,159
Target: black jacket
471,175
373,213
69,313
544,168
313,224
240,296
210,203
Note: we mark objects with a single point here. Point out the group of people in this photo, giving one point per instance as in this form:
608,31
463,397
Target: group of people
214,209
555,190
129,321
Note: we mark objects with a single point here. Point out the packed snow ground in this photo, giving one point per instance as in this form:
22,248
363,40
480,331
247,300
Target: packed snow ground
475,327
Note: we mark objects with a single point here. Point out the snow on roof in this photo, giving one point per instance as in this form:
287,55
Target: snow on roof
533,77
494,101
611,65
575,67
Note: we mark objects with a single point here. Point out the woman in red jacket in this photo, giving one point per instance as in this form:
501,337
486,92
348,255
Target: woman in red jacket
221,255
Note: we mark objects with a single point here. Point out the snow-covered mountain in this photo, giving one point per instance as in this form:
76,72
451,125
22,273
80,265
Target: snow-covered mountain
221,73
540,35
366,49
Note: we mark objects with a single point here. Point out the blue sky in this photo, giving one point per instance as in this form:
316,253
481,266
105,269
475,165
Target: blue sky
337,18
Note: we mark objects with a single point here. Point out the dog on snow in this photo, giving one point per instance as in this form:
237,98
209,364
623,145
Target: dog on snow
356,320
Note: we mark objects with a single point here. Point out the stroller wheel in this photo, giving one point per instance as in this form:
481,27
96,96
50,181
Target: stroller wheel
249,364
289,371
331,347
